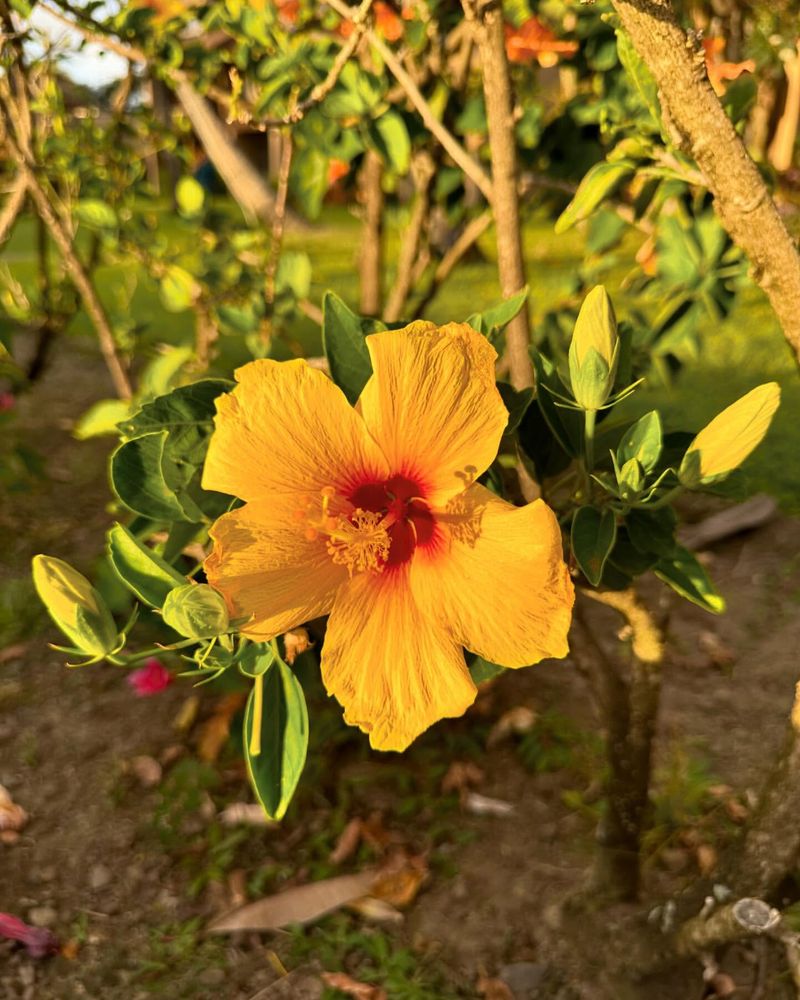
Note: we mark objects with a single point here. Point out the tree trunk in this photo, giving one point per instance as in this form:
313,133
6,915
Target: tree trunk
370,267
701,127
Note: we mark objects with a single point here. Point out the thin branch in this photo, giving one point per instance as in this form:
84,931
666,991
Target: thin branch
701,127
370,265
278,224
448,141
423,170
321,91
74,268
468,237
489,30
13,206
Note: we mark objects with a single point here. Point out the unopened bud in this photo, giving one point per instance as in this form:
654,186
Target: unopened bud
75,606
196,610
594,351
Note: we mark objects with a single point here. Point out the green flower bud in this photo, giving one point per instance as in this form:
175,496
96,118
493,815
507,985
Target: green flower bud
196,611
594,351
75,606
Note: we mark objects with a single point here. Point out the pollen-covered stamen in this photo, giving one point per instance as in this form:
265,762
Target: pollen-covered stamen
360,542
356,538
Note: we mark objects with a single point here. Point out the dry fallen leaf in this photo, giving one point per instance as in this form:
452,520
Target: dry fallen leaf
13,652
483,805
298,905
514,722
719,655
736,810
348,842
12,818
215,731
706,856
246,813
723,985
352,988
146,770
376,910
460,776
399,881
493,989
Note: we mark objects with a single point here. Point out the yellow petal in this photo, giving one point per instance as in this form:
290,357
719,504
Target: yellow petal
287,428
268,571
732,435
433,406
502,588
394,672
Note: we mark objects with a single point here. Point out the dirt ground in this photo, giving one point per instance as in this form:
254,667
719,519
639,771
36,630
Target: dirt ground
128,879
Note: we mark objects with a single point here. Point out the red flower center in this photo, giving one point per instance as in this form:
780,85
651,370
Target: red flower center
412,522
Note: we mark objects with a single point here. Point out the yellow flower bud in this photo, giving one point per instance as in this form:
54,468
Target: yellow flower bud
594,351
732,435
75,606
196,610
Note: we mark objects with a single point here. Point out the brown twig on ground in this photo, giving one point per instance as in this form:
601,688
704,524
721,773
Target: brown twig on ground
446,139
702,128
744,918
489,30
423,171
370,267
630,706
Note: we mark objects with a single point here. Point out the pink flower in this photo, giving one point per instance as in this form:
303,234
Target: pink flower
150,679
38,941
7,401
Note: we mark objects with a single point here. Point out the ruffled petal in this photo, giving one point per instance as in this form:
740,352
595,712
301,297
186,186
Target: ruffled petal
394,671
501,586
267,569
286,428
433,406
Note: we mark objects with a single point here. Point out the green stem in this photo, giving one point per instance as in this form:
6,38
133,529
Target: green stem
662,501
588,438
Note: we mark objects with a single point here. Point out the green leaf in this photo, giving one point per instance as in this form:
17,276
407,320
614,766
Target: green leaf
598,184
688,578
95,213
309,179
189,196
492,321
592,538
652,531
565,425
275,770
343,334
390,135
177,289
482,670
102,418
137,477
293,274
140,568
185,417
642,441
640,76
516,402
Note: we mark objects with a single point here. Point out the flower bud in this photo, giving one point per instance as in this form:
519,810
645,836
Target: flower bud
75,606
732,435
594,351
196,610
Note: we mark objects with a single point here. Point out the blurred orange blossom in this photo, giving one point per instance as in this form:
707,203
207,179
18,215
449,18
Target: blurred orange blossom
372,514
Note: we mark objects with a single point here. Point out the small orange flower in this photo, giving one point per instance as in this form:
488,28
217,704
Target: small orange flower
336,170
372,514
719,71
288,11
387,23
534,40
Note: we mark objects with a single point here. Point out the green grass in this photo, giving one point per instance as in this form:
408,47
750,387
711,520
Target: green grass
737,354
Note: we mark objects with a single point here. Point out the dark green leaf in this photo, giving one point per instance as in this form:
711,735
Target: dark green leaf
516,402
137,477
492,321
343,334
141,569
275,771
688,578
642,441
640,76
390,136
652,531
482,670
598,184
592,538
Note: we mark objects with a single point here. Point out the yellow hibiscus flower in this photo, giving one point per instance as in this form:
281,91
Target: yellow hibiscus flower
372,514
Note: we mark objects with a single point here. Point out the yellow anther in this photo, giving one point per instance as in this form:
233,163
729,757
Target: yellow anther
360,543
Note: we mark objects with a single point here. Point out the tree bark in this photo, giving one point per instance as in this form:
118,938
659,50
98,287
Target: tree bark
423,171
703,129
371,254
488,26
771,844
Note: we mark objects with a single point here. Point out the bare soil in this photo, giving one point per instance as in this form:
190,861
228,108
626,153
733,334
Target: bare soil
127,881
